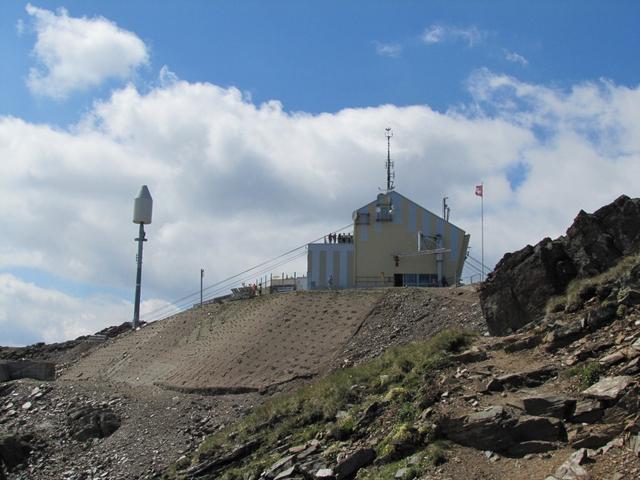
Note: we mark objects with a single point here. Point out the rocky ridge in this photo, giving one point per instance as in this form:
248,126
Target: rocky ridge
518,290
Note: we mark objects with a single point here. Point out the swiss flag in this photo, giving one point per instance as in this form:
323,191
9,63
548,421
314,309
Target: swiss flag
479,190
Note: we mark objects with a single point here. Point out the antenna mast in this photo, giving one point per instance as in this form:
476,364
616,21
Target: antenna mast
389,165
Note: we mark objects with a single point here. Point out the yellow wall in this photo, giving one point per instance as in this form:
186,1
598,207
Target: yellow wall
378,242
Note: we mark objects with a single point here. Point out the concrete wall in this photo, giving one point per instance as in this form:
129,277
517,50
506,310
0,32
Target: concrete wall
377,242
330,260
14,370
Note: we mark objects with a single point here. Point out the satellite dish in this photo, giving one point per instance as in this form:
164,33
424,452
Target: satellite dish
142,207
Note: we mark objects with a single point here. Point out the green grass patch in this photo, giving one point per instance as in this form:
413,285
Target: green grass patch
587,373
407,412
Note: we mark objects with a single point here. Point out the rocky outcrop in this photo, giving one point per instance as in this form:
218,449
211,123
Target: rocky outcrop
92,422
522,283
505,430
513,381
517,291
596,241
350,465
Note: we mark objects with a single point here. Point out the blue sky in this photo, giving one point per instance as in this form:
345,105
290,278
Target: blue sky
321,56
229,109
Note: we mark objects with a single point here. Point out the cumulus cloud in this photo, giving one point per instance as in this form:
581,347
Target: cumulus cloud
235,183
30,313
392,50
79,53
439,33
515,57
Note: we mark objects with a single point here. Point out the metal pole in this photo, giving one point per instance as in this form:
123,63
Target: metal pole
482,230
201,277
136,308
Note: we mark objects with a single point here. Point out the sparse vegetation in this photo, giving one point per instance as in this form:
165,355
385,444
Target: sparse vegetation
402,439
587,373
407,412
580,288
435,453
313,410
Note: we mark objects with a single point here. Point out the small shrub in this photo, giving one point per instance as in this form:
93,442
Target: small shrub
396,394
401,441
435,454
404,365
587,373
452,340
406,413
343,428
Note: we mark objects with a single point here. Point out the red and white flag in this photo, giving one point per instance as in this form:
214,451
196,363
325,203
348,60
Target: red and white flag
479,190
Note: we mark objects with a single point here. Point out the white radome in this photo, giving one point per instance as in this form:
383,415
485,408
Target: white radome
142,207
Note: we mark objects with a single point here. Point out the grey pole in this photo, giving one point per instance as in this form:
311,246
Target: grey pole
201,277
136,309
142,210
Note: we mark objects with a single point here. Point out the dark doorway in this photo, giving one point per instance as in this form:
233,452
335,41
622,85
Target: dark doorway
397,279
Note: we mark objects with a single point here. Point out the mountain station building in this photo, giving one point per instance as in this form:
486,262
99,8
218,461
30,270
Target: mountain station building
395,242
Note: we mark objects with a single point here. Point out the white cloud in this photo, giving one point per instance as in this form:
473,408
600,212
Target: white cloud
32,313
392,50
79,53
166,77
235,183
20,27
438,33
515,57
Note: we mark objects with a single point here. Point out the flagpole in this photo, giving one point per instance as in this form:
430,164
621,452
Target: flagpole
482,227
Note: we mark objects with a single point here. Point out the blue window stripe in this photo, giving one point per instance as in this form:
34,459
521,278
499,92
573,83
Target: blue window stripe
329,264
315,265
413,214
398,208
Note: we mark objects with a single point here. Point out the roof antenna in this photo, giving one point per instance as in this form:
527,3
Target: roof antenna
389,165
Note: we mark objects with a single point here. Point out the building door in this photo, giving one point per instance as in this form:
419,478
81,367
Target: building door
397,280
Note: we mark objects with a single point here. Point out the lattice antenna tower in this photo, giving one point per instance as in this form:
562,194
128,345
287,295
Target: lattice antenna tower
389,165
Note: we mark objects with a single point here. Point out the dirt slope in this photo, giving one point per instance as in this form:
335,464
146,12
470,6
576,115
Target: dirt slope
254,344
